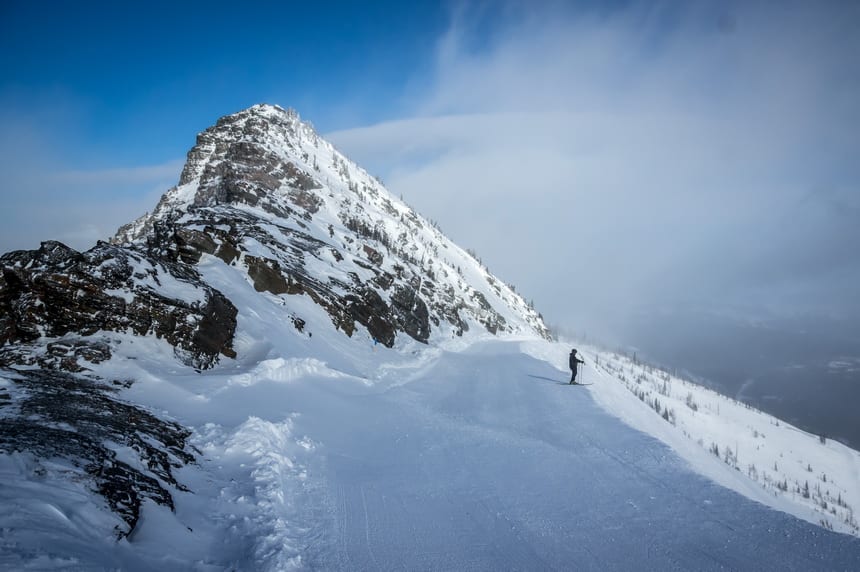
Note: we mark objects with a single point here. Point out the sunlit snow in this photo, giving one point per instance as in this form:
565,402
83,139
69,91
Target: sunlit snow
471,454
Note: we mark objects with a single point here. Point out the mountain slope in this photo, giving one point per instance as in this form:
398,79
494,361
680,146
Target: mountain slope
263,192
62,313
733,443
476,457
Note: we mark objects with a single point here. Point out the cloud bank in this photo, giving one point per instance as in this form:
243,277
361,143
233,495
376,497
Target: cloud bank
43,200
614,161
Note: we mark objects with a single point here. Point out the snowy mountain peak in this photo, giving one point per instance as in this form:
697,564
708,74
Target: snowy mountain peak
261,190
261,124
261,141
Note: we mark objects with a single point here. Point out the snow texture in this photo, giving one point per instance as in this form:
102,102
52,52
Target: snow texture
470,455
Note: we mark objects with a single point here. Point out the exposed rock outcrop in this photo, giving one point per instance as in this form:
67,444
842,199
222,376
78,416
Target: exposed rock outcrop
57,415
55,291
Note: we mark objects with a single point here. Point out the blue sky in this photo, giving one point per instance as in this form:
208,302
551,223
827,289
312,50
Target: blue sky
621,155
135,81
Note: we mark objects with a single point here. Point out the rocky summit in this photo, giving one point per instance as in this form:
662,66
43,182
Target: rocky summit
263,195
262,191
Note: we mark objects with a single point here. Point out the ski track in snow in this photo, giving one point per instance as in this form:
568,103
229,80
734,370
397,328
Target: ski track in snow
474,458
480,463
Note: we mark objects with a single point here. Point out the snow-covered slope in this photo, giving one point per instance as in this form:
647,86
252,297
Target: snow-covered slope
738,446
471,456
262,191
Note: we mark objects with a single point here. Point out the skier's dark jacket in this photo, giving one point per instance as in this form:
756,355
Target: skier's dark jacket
574,360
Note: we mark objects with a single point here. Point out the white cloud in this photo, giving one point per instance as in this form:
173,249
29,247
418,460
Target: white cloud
605,161
43,199
78,207
147,174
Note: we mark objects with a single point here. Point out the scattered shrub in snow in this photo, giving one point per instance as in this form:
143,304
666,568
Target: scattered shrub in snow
647,383
691,402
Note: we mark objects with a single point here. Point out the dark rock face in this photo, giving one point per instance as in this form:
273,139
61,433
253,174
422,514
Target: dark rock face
214,333
287,272
411,313
61,415
490,319
370,310
55,291
268,276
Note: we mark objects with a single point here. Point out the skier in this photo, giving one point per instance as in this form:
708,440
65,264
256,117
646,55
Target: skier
574,362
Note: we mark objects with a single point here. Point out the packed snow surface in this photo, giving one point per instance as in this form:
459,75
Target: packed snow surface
324,452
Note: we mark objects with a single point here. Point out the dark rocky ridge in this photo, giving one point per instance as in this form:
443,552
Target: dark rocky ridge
55,291
58,310
61,415
286,271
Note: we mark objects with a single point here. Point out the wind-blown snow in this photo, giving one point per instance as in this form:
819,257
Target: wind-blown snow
276,478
